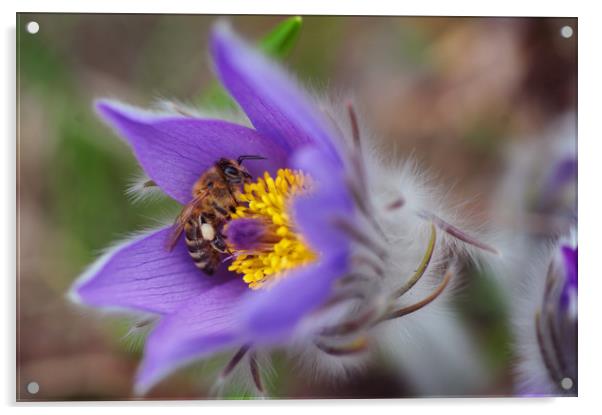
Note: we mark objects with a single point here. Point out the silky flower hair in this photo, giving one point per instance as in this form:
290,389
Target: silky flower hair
327,244
545,322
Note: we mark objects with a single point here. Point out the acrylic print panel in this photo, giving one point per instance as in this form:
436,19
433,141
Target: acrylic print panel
227,207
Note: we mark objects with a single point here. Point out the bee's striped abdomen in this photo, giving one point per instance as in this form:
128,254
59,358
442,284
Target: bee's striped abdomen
200,250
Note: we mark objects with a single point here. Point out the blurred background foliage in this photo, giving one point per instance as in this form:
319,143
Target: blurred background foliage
453,92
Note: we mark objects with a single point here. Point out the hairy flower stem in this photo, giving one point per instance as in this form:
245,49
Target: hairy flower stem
422,267
547,360
368,317
396,204
357,146
352,348
360,236
349,326
457,233
363,204
556,343
234,361
376,267
420,304
255,373
358,182
355,131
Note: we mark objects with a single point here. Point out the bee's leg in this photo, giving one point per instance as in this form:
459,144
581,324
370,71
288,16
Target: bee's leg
219,244
220,210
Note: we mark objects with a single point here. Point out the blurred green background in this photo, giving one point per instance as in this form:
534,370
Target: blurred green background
452,91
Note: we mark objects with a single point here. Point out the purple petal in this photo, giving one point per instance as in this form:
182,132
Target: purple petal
315,214
570,262
142,275
273,313
569,256
245,234
175,151
205,324
275,104
564,172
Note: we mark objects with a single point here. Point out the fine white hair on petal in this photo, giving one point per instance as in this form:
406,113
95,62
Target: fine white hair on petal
314,362
134,318
239,382
142,189
103,257
134,112
317,365
138,330
434,351
180,108
413,343
570,239
527,295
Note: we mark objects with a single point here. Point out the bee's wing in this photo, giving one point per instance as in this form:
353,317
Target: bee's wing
183,217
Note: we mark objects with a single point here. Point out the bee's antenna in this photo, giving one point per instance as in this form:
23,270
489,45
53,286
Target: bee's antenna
243,158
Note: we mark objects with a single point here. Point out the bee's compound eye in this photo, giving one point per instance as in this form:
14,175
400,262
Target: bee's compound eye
231,171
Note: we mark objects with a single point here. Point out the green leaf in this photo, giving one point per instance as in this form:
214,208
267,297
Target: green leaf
280,41
277,44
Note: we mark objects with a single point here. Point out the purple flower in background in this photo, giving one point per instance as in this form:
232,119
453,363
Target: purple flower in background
311,265
562,177
548,332
538,192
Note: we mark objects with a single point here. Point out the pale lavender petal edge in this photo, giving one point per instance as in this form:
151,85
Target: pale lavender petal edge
272,315
330,197
141,275
277,107
204,325
175,151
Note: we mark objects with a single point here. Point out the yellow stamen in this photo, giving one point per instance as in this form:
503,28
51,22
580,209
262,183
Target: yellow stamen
268,200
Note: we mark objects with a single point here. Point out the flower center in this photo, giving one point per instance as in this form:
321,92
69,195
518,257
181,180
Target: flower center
262,235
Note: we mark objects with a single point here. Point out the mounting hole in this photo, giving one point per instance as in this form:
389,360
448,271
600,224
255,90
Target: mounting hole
566,383
33,27
33,387
566,32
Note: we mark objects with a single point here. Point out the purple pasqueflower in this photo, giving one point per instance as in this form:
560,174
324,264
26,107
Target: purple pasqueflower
548,364
326,302
563,175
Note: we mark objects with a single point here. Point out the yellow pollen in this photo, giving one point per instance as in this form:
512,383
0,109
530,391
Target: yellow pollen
268,199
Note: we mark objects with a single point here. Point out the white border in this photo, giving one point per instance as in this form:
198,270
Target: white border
349,7
590,196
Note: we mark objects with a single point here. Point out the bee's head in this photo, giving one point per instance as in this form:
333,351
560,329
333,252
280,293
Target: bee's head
233,170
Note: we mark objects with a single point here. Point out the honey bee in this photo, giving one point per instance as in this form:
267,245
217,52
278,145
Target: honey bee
203,218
